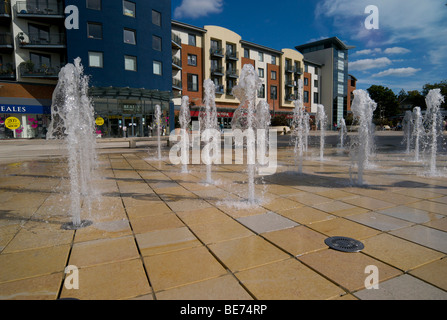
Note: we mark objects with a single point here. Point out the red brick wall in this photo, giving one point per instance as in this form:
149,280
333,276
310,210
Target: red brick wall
308,88
194,97
245,61
270,82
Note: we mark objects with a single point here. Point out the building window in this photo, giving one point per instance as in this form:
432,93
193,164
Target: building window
273,60
273,92
156,43
38,33
130,63
247,53
156,18
40,59
94,30
130,36
306,96
306,81
129,8
193,82
192,60
316,83
192,40
261,92
261,56
95,59
94,4
261,73
316,97
273,75
158,68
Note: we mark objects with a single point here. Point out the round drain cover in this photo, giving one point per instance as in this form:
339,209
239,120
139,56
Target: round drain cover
344,244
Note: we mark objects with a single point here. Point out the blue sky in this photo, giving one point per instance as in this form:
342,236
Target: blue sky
408,50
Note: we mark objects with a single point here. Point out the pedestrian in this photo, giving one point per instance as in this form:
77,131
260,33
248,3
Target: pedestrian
124,131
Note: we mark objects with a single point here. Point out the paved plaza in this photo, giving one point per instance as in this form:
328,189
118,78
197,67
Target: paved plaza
160,234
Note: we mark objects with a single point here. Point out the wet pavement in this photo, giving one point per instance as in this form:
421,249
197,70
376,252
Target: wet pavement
161,234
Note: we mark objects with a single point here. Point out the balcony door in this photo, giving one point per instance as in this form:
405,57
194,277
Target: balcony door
38,34
40,60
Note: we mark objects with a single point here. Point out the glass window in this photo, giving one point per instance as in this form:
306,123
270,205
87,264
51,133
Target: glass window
156,18
94,4
306,81
157,68
273,75
261,73
192,40
261,56
193,82
247,53
316,97
306,96
129,8
95,59
341,65
156,43
341,89
341,77
316,83
130,63
40,59
273,92
192,60
130,36
94,30
273,60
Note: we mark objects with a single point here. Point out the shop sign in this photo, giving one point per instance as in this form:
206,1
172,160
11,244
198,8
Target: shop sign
99,121
12,123
10,108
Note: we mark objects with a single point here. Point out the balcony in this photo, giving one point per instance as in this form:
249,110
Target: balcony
40,9
5,11
230,91
176,41
217,71
7,72
290,97
290,83
232,56
220,89
298,70
6,42
176,63
217,52
177,84
232,74
289,68
30,70
41,40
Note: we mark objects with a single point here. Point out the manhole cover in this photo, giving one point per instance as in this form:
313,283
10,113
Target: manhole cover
344,244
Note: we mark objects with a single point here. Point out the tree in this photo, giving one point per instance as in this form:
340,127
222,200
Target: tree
387,102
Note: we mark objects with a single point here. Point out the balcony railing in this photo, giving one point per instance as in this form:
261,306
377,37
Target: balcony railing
7,71
217,52
177,62
5,8
232,73
6,40
290,83
43,40
290,97
30,70
298,70
232,55
217,71
35,8
177,84
176,40
220,89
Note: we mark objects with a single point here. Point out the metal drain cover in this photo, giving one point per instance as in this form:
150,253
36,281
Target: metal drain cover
344,244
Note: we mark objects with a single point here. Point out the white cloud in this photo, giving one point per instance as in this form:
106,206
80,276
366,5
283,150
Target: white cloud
398,20
368,51
398,72
396,50
366,64
198,8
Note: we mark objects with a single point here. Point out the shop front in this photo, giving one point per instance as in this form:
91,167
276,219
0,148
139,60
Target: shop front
124,112
24,121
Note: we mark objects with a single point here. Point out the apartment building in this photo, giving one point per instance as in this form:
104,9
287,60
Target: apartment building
219,54
125,48
332,55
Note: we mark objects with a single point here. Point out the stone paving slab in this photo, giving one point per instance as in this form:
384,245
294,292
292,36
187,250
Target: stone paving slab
161,234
